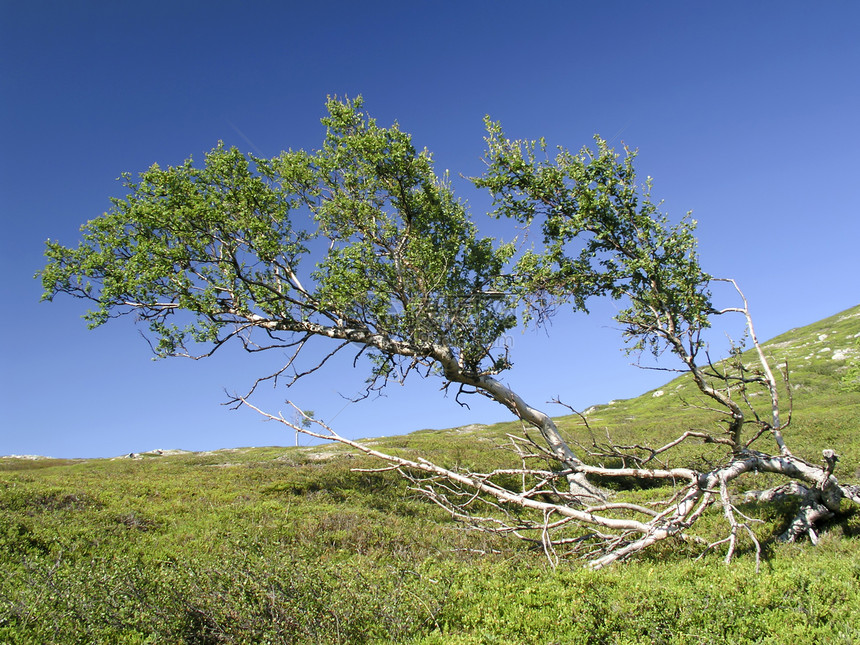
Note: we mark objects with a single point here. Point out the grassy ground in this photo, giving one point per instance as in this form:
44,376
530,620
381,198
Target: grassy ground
290,545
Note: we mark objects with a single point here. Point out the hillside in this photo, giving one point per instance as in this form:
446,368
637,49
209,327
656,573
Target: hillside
292,545
825,403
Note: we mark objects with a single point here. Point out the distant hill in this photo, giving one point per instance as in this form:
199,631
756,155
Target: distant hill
826,408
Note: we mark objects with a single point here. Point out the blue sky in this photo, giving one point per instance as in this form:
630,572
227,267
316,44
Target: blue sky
746,113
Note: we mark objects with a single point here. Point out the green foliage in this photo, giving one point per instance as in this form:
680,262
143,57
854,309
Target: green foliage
249,546
851,378
292,546
602,235
649,603
223,251
205,254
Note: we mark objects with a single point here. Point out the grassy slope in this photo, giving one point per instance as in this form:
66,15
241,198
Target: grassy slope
291,545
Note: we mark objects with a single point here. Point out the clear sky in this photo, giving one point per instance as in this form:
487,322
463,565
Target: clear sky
746,113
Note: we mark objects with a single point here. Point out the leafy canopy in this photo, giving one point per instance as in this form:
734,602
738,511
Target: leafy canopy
205,254
362,242
602,235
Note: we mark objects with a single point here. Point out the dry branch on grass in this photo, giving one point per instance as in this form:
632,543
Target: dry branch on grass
561,520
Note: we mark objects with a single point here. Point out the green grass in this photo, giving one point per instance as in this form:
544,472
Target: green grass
290,545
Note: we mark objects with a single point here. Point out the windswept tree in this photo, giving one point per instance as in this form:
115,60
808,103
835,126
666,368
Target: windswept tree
363,244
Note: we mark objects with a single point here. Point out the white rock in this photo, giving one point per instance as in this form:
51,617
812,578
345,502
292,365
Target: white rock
30,457
658,393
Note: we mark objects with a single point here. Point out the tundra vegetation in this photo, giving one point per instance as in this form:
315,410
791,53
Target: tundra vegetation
360,244
295,545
